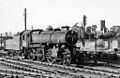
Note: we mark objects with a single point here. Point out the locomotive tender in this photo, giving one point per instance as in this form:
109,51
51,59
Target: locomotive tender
51,46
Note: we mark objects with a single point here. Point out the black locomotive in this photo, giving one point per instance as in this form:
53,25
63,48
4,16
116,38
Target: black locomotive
52,46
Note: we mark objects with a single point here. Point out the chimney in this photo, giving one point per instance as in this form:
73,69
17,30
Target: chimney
31,27
25,18
103,28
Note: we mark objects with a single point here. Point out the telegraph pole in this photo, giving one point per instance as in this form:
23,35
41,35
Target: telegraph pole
25,18
1,40
84,21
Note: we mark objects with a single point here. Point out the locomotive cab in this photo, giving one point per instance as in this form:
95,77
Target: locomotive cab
25,39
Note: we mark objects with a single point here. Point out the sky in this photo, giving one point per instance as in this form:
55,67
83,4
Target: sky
57,13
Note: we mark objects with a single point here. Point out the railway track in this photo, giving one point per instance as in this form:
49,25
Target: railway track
54,70
17,74
29,68
22,71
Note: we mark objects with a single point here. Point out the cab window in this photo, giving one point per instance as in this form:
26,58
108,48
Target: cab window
23,37
28,35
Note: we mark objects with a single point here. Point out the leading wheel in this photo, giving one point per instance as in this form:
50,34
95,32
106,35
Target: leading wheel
66,59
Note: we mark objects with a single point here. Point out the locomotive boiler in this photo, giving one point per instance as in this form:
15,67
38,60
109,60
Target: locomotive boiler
53,37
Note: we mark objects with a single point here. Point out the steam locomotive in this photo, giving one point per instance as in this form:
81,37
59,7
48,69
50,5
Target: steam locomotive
53,46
